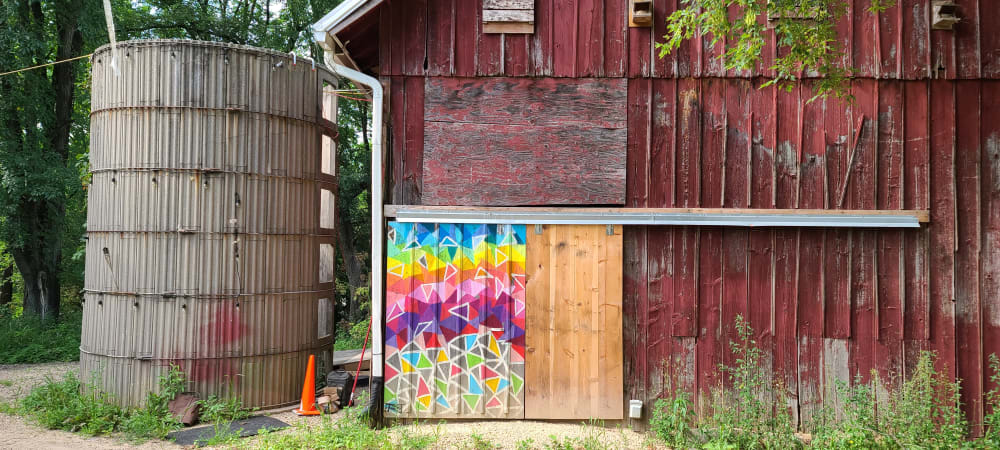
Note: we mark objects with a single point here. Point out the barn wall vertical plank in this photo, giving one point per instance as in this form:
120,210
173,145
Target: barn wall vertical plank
639,46
736,184
889,255
967,40
615,38
760,260
489,50
414,25
942,57
967,258
397,112
590,38
666,66
413,166
865,33
890,43
541,40
467,25
915,45
990,205
564,38
810,317
711,336
687,173
942,228
634,243
517,55
860,194
660,239
440,37
916,179
838,135
786,243
989,42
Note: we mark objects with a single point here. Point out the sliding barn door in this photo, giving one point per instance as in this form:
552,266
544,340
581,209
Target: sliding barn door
574,323
455,320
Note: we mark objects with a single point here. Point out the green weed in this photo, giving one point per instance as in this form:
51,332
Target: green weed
753,415
60,405
350,432
525,444
223,436
478,442
6,383
673,417
39,341
215,409
991,423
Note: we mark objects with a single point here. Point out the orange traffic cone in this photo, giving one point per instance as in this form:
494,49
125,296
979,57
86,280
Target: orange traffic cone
308,405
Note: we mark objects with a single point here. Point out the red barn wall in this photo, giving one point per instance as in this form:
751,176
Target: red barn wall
924,133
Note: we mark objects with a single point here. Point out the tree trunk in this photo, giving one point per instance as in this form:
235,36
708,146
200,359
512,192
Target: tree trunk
39,265
352,264
7,286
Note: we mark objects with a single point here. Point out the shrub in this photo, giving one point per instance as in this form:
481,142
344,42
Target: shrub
39,341
215,409
60,405
673,417
754,415
991,423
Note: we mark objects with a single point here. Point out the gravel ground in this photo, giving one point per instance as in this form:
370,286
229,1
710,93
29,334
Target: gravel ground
16,433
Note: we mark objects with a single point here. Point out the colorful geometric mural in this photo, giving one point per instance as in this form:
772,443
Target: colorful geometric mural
455,320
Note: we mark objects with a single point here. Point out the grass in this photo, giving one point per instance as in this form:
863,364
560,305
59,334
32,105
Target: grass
38,341
349,432
69,405
923,411
6,383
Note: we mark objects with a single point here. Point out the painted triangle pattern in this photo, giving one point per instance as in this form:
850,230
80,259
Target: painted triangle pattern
454,338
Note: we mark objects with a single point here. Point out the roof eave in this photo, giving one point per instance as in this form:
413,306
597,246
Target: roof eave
339,18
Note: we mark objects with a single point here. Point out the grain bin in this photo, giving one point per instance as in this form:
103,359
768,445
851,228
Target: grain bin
209,227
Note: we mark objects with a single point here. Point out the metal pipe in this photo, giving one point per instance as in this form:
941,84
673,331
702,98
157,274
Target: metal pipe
416,214
378,220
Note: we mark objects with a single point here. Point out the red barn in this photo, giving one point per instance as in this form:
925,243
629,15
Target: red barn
881,239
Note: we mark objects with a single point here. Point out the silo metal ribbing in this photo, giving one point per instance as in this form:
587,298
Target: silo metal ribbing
205,244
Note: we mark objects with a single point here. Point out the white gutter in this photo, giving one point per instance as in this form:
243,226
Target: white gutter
378,218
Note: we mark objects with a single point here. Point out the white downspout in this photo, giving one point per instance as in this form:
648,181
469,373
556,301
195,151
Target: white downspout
378,273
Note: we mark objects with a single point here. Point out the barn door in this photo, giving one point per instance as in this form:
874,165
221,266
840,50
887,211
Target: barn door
455,320
574,323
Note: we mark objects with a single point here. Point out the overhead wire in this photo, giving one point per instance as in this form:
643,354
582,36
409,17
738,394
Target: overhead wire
46,64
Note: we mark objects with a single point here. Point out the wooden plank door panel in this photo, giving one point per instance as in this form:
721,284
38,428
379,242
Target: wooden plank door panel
573,301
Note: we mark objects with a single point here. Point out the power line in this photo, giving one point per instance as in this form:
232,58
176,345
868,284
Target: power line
47,64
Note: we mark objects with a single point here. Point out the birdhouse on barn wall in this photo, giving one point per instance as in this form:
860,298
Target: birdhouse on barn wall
509,16
944,15
640,13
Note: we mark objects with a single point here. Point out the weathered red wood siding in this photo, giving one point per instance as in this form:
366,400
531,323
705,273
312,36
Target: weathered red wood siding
924,133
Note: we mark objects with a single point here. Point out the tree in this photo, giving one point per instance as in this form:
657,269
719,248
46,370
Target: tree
37,113
804,31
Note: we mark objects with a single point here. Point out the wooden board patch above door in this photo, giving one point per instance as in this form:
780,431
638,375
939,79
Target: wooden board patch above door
524,141
573,316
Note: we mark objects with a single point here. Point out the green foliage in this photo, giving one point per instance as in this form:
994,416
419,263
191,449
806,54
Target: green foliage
525,444
991,422
926,411
673,417
215,409
37,340
478,442
348,432
804,30
224,436
754,414
858,428
352,336
60,405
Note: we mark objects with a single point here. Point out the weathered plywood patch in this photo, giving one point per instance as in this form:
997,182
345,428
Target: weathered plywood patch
509,142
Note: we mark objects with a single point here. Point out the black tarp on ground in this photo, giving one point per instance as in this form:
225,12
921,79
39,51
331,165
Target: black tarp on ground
245,428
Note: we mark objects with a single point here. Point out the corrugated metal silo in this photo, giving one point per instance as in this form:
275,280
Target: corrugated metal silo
210,227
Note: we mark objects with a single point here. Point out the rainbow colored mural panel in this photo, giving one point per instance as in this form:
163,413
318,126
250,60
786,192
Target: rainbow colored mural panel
455,320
